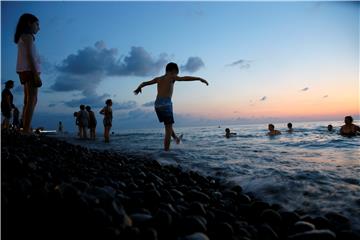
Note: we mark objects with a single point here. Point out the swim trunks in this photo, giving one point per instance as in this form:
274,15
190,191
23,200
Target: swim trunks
164,110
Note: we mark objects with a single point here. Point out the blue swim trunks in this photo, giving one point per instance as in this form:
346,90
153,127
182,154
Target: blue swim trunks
164,110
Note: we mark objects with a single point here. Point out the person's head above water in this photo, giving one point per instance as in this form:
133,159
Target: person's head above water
227,130
82,107
172,68
28,24
330,127
348,120
271,127
108,102
289,125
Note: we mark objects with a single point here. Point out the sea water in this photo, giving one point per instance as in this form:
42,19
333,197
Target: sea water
311,169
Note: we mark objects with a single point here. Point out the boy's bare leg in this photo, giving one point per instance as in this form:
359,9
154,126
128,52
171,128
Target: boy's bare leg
175,137
168,132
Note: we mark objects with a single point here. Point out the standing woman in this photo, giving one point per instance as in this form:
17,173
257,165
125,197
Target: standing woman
107,112
28,65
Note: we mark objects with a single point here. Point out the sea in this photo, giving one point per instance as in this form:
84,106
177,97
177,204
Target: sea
310,170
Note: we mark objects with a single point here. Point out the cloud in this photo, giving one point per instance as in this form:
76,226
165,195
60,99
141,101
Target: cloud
85,69
263,98
193,64
124,105
51,105
148,104
304,89
242,64
138,63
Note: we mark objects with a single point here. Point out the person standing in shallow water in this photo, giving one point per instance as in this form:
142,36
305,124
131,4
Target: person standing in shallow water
349,129
28,65
7,104
108,116
163,103
92,122
83,121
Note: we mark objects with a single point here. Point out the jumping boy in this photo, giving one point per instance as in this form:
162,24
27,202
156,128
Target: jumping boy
163,104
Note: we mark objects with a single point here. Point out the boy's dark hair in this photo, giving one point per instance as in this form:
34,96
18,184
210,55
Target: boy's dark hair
22,25
9,83
172,67
271,125
227,130
107,102
349,119
82,107
289,125
88,108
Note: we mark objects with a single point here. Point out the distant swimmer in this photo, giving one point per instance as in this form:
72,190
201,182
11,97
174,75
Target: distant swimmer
330,128
290,129
349,129
272,131
228,134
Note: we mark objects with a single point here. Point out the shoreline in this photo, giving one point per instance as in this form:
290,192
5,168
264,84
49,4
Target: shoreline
107,195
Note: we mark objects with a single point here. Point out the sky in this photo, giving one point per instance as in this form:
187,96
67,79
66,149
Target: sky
264,61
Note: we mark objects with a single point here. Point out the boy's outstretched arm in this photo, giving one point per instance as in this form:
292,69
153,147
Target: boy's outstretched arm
143,84
190,78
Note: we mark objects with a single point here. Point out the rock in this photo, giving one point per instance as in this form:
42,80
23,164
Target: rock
194,195
321,223
289,218
162,219
271,217
267,233
149,234
196,208
192,224
314,235
243,198
222,230
139,219
338,221
347,235
195,236
301,226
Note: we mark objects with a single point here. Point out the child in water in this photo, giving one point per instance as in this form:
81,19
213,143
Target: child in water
228,134
272,131
163,103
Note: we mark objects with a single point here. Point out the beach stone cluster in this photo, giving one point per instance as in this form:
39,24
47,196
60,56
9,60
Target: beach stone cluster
54,190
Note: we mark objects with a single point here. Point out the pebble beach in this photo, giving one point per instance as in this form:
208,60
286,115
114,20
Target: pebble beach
52,189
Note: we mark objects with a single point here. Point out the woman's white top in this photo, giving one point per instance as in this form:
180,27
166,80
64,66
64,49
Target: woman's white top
22,61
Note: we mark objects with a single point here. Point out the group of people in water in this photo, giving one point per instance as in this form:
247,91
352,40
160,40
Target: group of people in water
86,120
28,69
348,129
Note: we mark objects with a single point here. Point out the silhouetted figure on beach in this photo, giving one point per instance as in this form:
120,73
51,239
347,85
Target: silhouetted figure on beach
60,127
28,65
330,128
76,115
107,121
349,129
272,131
163,103
228,134
7,104
92,122
290,129
83,116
